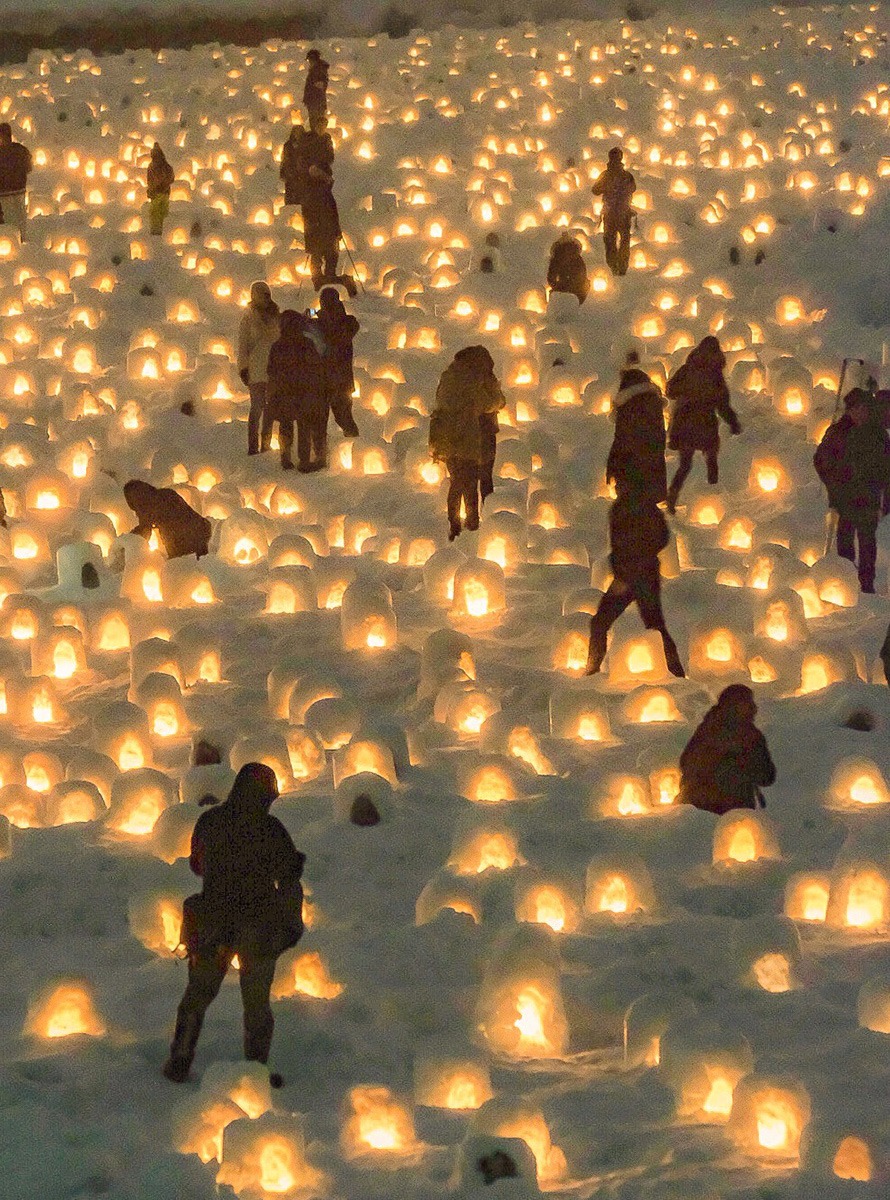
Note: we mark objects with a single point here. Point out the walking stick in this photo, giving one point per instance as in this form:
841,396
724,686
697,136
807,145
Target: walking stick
352,261
301,272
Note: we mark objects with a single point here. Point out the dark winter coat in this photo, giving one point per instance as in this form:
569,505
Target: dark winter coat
699,393
616,185
636,460
338,329
296,383
316,84
160,176
467,394
637,533
302,150
725,762
252,898
15,165
854,464
181,530
566,271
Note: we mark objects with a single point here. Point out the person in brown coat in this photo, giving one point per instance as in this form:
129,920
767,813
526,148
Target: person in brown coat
727,761
315,89
296,393
181,530
159,182
566,271
338,328
463,432
616,185
636,459
699,393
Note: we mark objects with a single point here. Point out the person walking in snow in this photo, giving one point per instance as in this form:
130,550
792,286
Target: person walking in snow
307,170
699,392
616,185
853,461
463,432
636,460
296,393
637,532
257,333
250,905
159,182
338,329
315,89
566,271
182,530
15,166
726,761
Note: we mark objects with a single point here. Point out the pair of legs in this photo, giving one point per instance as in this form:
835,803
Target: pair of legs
14,207
683,469
616,235
312,441
259,426
158,207
645,589
341,408
861,528
463,486
207,970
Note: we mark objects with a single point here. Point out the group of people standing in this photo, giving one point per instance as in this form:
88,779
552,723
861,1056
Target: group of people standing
298,368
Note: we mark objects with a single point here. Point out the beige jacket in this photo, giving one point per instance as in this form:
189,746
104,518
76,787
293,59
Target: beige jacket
256,336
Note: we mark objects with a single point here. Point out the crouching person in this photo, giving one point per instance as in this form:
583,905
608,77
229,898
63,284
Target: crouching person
726,761
181,530
251,905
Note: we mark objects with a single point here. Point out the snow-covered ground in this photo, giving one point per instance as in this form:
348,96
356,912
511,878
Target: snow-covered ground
478,952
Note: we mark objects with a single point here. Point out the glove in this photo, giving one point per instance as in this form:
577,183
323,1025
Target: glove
243,376
735,427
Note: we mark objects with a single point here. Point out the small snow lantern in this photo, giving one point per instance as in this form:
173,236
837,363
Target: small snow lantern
445,891
767,951
439,573
520,1009
160,696
860,897
742,836
447,656
510,1118
334,719
290,590
244,538
489,847
306,752
623,796
857,783
703,1065
60,653
638,659
769,1115
269,748
647,1020
550,902
138,798
579,714
464,707
504,540
646,706
72,802
121,732
266,1156
873,1004
155,920
478,590
618,887
806,897
304,973
364,755
377,1122
63,1010
459,1084
367,620
717,651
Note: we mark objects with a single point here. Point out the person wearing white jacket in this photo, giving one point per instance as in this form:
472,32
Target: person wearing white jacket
257,334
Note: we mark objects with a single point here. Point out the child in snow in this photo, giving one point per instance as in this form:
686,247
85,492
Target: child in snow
699,393
181,530
250,905
463,432
727,761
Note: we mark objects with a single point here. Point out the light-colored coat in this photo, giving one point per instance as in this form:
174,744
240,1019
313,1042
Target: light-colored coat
257,334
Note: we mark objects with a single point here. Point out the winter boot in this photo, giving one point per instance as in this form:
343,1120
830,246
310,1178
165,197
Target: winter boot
596,653
672,657
182,1048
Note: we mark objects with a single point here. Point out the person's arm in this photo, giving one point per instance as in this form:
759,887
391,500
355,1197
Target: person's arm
599,186
245,345
29,161
552,273
725,409
289,867
196,857
761,768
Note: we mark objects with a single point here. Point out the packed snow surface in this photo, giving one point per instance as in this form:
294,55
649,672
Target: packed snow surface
535,951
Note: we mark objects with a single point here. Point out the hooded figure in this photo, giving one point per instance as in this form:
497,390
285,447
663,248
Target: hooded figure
726,761
296,392
250,905
853,461
159,180
616,186
315,89
566,271
637,533
15,166
181,530
636,460
338,329
699,393
257,333
463,432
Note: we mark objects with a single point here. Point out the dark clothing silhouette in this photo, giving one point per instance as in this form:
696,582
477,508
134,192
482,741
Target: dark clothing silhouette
338,329
160,174
15,167
251,905
616,186
181,530
315,88
885,656
853,461
726,761
296,392
566,271
636,459
637,532
307,162
699,392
